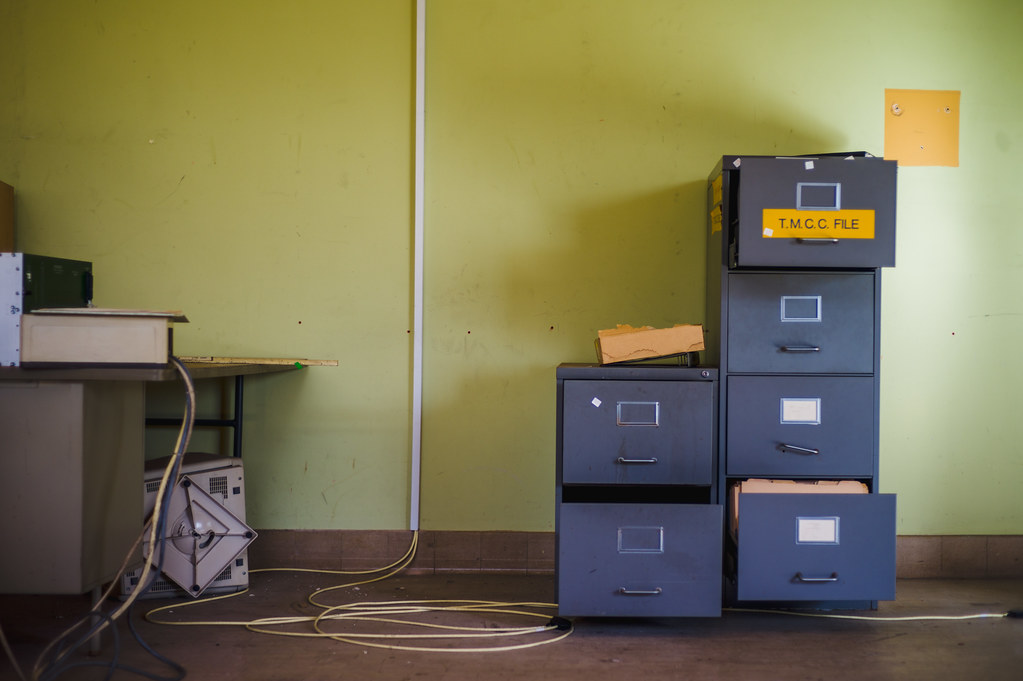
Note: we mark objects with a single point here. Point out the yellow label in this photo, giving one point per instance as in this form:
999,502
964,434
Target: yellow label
716,189
789,223
715,219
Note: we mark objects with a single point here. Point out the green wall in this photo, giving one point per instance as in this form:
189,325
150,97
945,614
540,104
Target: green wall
251,164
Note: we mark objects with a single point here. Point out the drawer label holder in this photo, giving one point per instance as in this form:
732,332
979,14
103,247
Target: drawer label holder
800,411
640,539
817,530
639,414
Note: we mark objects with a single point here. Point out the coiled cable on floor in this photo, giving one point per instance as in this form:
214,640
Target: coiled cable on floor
388,612
391,613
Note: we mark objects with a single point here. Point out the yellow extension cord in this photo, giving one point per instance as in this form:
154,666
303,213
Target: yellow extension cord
386,613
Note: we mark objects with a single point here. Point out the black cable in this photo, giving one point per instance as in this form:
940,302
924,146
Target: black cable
180,670
53,672
113,664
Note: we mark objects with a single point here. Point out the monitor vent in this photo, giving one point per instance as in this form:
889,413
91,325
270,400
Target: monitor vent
162,585
218,485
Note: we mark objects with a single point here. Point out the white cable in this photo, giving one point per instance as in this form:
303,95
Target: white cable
10,654
387,613
417,269
872,618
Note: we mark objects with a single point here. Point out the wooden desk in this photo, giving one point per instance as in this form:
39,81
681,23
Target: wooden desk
237,371
72,444
199,370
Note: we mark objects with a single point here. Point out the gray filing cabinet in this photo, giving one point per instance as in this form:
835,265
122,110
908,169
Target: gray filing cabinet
638,522
795,252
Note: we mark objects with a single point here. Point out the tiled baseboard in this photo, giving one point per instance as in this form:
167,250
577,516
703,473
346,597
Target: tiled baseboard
959,556
940,556
437,551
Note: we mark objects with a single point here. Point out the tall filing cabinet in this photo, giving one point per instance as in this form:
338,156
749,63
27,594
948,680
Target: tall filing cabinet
795,252
638,521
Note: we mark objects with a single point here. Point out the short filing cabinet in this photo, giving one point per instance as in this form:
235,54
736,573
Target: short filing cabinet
795,251
638,525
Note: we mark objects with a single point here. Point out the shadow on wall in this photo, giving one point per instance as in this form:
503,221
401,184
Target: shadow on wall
636,261
486,448
569,119
565,153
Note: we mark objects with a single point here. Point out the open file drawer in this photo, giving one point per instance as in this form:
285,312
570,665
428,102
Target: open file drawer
828,211
816,547
639,560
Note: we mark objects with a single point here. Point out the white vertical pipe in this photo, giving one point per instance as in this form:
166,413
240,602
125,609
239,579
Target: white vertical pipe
417,270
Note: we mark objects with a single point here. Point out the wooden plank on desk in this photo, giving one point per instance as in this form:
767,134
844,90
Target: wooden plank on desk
260,360
172,315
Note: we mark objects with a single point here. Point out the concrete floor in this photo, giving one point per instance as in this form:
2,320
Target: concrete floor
738,646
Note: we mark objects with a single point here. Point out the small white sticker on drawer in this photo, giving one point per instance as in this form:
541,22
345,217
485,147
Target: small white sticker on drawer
817,530
596,402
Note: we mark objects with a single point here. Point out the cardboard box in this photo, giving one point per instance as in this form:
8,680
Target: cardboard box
626,343
6,218
97,336
763,486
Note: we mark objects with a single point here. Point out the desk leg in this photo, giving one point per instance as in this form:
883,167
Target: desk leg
234,422
239,392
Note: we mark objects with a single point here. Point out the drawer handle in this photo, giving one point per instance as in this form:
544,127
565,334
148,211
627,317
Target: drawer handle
623,460
817,241
639,592
800,348
798,450
815,580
